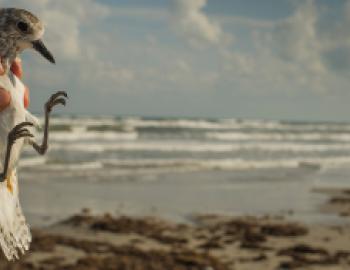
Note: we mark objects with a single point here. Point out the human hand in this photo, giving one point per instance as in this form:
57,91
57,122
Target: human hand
5,97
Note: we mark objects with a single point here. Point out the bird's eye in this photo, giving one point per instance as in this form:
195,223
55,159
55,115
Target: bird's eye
23,26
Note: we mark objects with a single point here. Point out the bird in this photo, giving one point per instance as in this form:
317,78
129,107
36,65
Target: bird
19,30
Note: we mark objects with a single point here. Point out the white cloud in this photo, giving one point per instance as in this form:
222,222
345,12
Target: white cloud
145,13
242,21
310,49
304,51
296,41
189,20
295,38
183,65
62,33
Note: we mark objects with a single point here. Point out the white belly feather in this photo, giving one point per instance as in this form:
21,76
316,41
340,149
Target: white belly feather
14,233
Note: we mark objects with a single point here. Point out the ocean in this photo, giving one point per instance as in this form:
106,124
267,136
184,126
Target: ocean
183,166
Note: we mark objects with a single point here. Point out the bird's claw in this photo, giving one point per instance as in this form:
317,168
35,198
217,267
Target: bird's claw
19,131
57,98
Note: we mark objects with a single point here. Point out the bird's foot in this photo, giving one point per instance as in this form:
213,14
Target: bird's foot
19,131
57,98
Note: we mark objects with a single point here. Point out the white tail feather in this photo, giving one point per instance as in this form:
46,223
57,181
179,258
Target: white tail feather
15,235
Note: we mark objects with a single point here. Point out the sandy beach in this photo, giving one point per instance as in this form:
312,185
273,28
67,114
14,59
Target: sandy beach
205,242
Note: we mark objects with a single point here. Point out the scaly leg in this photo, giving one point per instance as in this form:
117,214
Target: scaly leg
55,99
19,131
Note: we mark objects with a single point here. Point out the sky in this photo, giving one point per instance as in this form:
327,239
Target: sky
271,59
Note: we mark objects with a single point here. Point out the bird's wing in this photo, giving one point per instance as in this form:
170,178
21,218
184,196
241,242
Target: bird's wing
15,235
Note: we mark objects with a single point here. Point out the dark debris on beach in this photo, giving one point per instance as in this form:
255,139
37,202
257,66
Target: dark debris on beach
85,242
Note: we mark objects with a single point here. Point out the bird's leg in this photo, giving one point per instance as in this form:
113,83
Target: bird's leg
55,99
19,131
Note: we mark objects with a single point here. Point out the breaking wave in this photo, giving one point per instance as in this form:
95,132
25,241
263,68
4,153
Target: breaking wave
131,165
240,136
199,147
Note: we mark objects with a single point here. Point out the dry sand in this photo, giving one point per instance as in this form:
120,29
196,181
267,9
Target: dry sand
209,242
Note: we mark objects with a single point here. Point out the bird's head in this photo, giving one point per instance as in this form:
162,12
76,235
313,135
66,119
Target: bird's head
25,29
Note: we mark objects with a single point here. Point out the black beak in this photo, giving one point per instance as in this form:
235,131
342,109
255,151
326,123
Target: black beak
40,47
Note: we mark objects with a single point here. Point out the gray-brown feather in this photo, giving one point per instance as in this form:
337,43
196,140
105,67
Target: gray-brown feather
10,35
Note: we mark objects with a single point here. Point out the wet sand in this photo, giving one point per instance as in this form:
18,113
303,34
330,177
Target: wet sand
175,196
